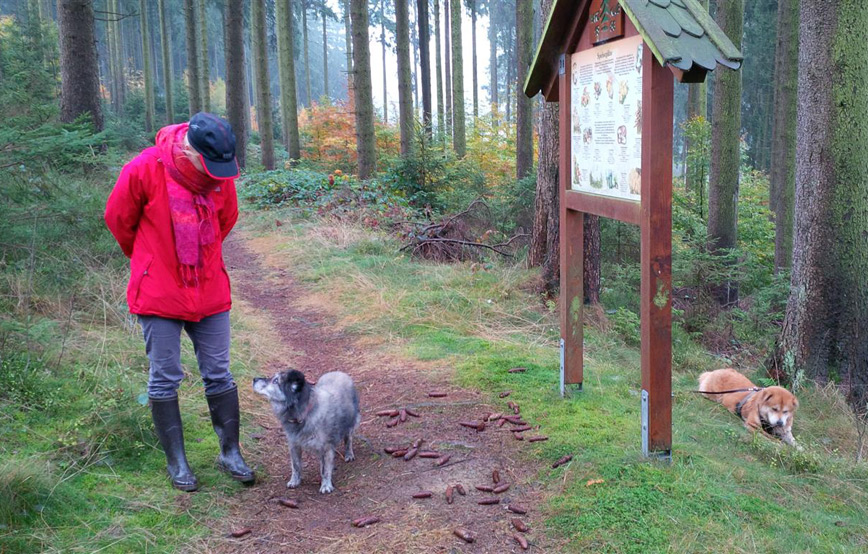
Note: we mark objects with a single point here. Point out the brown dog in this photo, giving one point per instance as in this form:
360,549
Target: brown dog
768,409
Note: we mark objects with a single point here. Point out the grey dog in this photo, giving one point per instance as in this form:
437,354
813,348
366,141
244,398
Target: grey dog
314,417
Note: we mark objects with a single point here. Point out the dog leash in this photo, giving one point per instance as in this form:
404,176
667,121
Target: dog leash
752,389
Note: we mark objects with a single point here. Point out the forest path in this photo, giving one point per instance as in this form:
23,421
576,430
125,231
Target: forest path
375,484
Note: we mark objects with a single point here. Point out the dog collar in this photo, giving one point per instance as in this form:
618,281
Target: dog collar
300,419
741,404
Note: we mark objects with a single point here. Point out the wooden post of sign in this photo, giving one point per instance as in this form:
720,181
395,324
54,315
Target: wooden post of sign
656,258
572,294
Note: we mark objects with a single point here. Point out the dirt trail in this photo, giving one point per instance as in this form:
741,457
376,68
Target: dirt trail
375,483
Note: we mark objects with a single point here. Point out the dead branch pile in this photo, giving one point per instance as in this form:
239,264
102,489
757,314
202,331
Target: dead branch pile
460,237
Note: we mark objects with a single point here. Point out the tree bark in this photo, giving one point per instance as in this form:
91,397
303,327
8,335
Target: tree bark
349,47
405,95
726,152
826,323
148,76
414,49
263,89
286,73
424,63
783,162
459,139
193,83
79,73
439,67
204,70
447,79
475,72
545,245
166,45
524,106
364,107
237,103
306,52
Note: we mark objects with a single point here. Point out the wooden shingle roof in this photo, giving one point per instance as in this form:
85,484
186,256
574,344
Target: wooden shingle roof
680,33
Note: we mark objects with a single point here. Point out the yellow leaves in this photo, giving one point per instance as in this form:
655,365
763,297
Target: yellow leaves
592,482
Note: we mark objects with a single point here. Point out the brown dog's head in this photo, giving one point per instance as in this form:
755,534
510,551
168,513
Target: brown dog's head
777,406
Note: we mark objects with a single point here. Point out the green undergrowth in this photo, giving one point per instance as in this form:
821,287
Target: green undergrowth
724,490
80,467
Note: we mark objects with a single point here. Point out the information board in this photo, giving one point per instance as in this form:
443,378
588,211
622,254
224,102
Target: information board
606,119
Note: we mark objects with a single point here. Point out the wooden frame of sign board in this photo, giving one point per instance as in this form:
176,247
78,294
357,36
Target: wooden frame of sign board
597,173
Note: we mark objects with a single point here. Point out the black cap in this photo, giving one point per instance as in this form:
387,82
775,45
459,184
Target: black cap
213,138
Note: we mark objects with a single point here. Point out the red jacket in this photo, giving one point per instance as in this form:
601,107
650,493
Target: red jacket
137,214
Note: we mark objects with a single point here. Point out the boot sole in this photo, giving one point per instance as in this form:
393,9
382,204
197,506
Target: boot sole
186,488
246,479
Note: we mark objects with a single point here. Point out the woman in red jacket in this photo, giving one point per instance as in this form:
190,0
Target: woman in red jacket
170,211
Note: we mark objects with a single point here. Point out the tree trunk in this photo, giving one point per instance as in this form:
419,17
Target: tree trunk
439,67
306,52
783,162
524,106
325,57
826,323
79,72
117,58
475,67
121,61
405,95
492,68
237,102
263,89
414,49
510,80
725,152
252,93
697,106
193,83
286,73
204,73
424,63
385,71
148,76
459,140
447,53
349,47
545,245
364,107
166,44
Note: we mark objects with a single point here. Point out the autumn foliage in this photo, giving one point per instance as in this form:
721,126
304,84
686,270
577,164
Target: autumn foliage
328,135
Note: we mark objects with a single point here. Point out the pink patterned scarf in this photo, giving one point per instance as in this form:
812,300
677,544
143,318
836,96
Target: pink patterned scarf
190,205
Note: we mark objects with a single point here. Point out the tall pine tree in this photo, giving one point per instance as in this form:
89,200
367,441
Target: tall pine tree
365,140
826,322
286,74
459,138
726,152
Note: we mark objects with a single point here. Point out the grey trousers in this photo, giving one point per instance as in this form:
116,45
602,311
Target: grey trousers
210,338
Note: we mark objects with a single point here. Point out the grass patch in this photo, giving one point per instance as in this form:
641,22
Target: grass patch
724,490
81,469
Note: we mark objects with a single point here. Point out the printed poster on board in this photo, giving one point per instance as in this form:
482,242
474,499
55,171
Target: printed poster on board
606,119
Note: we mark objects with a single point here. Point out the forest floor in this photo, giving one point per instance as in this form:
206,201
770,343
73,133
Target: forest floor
309,338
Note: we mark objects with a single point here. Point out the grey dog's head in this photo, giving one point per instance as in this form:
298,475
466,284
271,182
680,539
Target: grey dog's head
287,387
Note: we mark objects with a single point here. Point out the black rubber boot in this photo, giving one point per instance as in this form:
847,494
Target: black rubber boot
167,422
225,419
